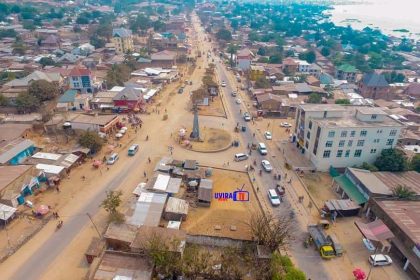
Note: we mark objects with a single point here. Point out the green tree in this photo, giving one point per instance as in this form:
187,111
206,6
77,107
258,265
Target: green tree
415,163
309,56
97,41
26,102
19,49
111,204
82,19
343,101
325,51
91,140
43,90
224,34
391,160
262,82
117,75
3,100
368,166
403,192
314,98
45,61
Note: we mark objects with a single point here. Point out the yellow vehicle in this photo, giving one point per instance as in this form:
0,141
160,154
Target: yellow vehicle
321,241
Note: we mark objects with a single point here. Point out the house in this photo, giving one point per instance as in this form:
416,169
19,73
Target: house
148,209
73,100
174,239
343,136
84,49
81,79
403,219
16,182
69,59
103,100
313,81
176,209
123,266
361,185
16,151
51,42
98,123
346,72
165,59
256,72
205,193
120,236
129,98
123,40
272,105
244,58
374,86
67,161
290,66
412,91
12,131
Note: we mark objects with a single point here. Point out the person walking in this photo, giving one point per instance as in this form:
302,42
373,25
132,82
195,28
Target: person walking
144,174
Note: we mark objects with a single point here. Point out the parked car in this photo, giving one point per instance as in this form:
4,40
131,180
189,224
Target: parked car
133,149
266,165
273,197
262,148
238,101
380,260
240,157
112,159
268,135
181,90
233,93
247,117
223,84
285,124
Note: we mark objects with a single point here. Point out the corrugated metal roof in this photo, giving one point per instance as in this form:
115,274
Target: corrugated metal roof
148,209
15,150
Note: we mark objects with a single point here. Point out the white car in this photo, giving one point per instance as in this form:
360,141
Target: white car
274,198
266,165
247,117
268,135
238,101
380,260
112,159
223,84
285,124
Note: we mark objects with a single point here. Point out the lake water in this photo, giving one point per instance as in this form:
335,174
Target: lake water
387,15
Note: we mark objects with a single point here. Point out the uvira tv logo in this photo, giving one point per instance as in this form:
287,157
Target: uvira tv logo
238,195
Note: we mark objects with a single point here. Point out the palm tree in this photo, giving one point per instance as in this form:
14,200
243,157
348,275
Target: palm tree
403,192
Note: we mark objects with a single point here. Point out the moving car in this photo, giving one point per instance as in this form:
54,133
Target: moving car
380,260
133,149
274,198
240,157
285,124
233,93
223,84
268,135
266,165
262,149
181,90
112,159
247,117
238,101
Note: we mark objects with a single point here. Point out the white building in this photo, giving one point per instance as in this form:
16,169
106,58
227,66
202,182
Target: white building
344,136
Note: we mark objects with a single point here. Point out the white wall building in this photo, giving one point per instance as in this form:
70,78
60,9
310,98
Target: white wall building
344,136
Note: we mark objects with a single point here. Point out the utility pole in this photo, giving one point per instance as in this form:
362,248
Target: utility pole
90,218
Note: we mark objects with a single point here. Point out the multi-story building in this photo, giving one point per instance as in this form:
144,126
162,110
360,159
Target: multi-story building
82,79
374,86
343,136
346,72
122,39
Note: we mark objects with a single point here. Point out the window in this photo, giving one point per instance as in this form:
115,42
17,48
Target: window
331,133
343,133
307,145
327,153
393,132
350,143
308,135
339,153
373,117
376,141
352,133
379,131
310,125
75,79
389,142
373,151
360,143
363,133
329,144
76,85
357,153
347,153
341,143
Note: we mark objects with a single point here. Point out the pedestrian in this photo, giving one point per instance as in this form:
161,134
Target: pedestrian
253,134
83,177
253,179
144,174
149,159
107,168
258,188
57,189
228,163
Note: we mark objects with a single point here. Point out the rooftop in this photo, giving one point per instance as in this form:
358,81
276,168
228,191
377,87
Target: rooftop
372,182
406,214
100,119
173,238
10,173
10,131
121,32
374,80
347,68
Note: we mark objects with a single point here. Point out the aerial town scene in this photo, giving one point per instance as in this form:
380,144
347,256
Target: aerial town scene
209,139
